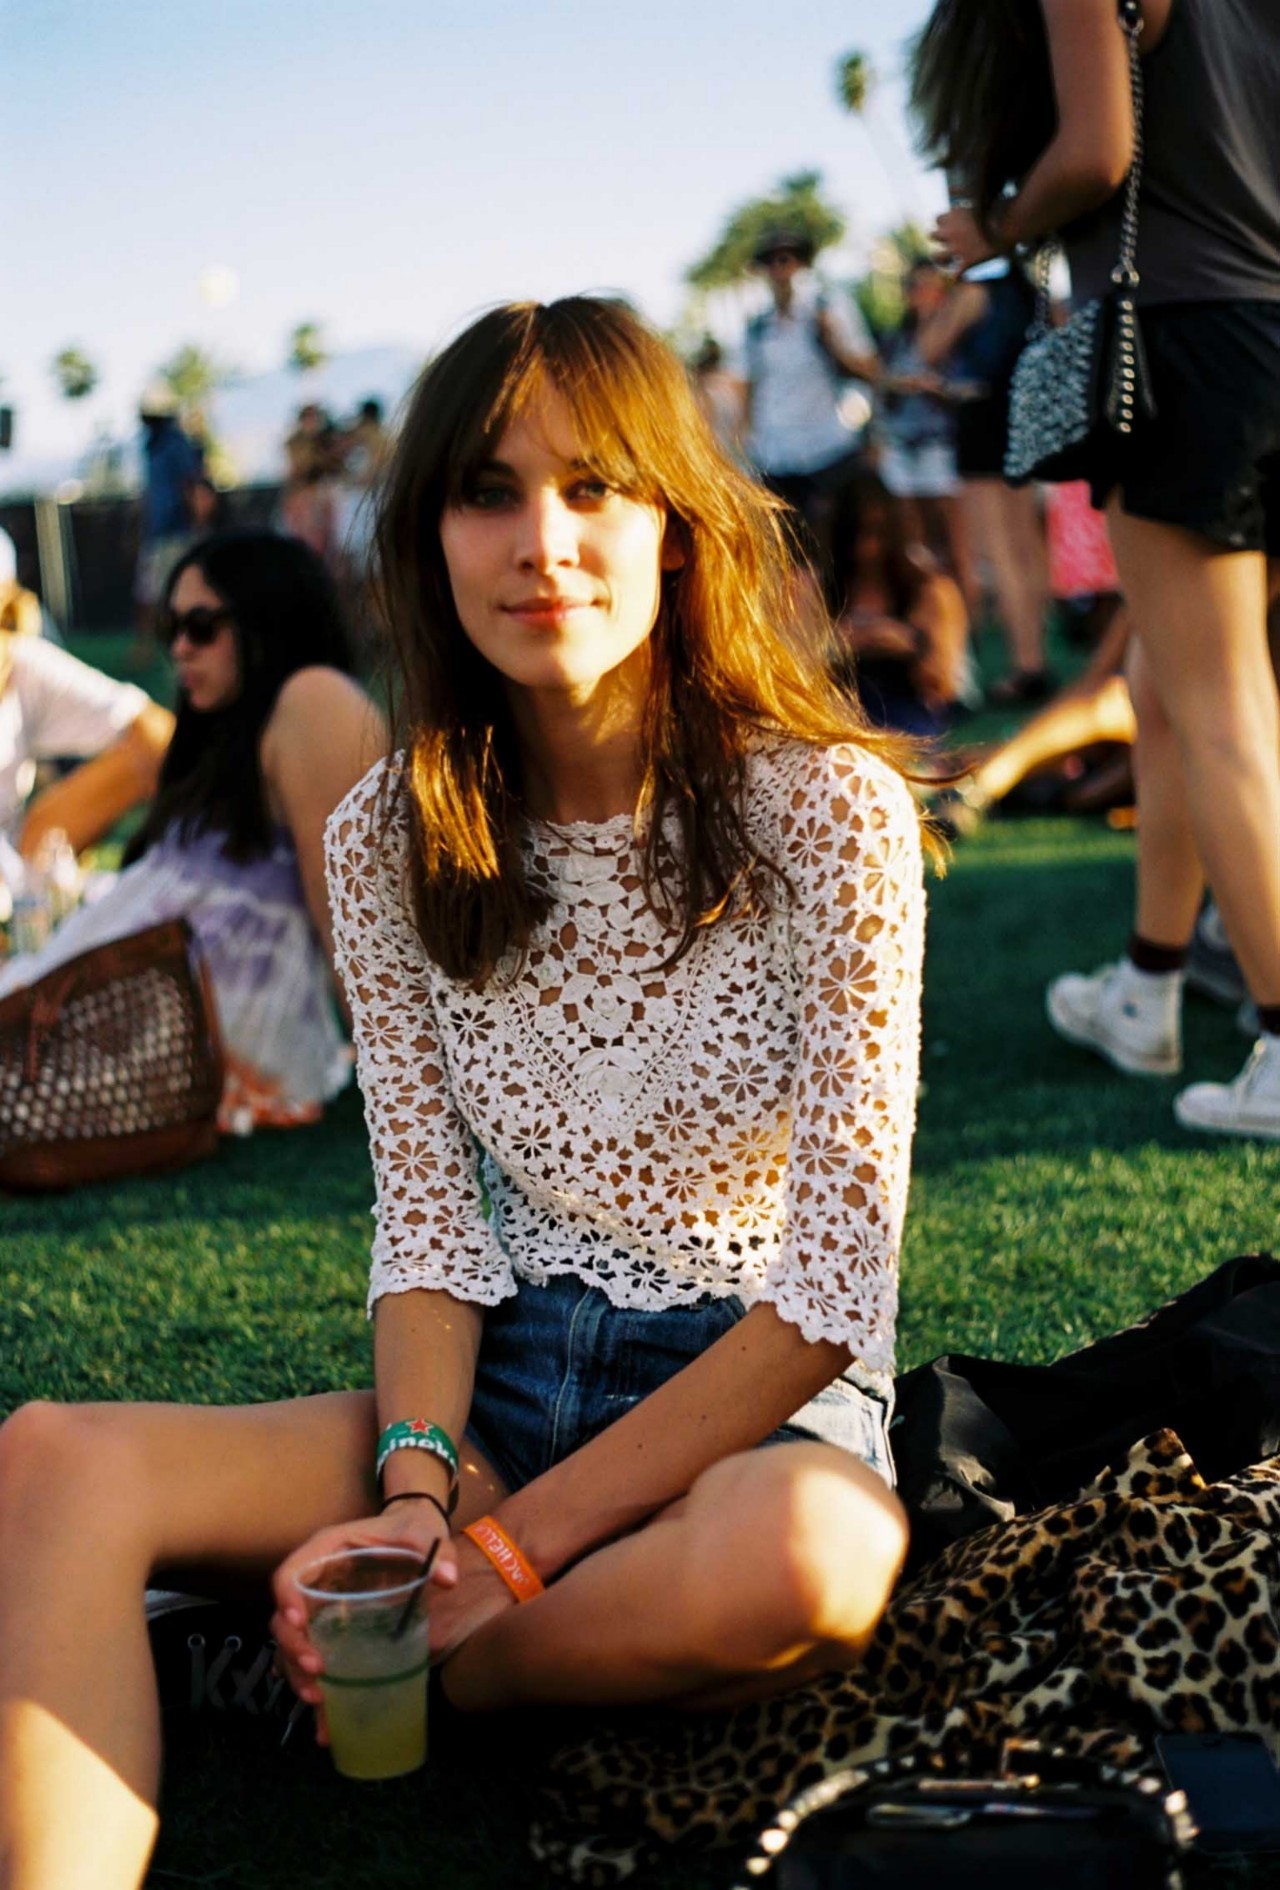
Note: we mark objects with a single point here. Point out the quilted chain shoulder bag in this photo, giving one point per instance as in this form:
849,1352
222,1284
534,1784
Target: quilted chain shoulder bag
1087,378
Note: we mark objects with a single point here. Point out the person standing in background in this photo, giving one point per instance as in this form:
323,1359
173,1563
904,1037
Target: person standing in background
1034,108
173,478
916,423
974,339
795,358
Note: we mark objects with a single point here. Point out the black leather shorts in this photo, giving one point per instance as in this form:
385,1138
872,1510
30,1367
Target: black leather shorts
1210,459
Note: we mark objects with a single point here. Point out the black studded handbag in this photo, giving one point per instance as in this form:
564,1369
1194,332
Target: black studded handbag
1045,1820
1088,377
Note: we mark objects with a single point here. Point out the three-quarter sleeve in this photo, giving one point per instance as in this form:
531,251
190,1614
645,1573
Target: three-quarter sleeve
850,846
431,1225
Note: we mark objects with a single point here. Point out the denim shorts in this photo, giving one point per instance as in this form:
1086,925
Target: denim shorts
560,1362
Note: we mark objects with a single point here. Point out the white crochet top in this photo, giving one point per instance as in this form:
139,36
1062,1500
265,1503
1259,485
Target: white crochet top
740,1123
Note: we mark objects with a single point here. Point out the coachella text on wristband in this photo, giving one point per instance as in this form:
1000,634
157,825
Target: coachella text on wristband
418,1434
497,1547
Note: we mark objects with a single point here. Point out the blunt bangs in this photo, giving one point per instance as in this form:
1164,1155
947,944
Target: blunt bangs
615,380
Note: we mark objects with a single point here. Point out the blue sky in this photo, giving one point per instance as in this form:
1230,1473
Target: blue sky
386,168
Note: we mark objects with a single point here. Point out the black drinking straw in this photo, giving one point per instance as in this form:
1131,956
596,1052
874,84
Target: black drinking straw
415,1591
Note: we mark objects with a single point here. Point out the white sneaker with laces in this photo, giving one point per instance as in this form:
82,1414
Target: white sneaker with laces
1132,1018
1249,1106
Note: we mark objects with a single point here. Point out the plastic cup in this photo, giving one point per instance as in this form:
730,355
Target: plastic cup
367,1617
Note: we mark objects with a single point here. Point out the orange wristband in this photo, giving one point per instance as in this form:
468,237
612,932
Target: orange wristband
496,1546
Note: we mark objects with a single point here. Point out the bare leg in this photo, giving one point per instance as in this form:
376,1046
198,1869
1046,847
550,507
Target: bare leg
1170,879
1201,616
92,1500
775,1568
1006,529
1077,719
956,532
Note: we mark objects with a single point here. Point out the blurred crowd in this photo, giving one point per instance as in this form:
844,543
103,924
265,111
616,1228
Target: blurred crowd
940,581
331,467
890,447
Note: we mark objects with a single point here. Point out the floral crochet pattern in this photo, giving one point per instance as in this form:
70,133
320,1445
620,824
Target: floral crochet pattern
738,1123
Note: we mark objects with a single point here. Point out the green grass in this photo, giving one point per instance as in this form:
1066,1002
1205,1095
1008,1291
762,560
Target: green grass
1052,1202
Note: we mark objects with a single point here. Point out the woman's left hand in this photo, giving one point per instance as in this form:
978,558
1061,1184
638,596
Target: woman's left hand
478,1596
960,234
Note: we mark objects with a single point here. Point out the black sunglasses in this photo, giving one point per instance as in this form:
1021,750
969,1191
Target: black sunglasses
199,626
780,255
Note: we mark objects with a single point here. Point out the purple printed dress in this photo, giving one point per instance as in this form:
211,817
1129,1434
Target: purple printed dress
286,1056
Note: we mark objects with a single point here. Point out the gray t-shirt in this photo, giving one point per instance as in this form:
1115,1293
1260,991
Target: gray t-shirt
1209,218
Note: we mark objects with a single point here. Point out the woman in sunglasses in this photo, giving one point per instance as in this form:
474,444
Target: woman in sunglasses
271,732
631,929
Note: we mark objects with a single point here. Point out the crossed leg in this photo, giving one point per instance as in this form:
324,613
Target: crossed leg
776,1566
93,1501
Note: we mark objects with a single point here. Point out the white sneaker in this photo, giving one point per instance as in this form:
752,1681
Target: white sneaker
1249,1106
1132,1018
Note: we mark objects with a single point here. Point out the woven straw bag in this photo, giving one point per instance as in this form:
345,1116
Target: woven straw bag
110,1065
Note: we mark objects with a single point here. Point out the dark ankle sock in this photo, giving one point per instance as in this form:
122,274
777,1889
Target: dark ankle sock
1147,956
1269,1019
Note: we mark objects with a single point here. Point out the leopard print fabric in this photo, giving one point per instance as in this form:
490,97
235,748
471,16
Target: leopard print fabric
1146,1604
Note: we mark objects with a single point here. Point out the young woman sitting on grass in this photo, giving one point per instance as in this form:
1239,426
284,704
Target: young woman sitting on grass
631,932
271,733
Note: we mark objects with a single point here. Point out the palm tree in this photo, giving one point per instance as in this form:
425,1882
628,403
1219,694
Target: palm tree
797,205
194,375
855,77
307,350
75,374
857,82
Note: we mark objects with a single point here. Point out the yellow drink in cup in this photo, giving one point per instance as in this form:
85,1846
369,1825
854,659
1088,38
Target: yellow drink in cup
368,1622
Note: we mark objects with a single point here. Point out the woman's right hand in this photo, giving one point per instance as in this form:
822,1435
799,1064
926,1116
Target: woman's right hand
404,1525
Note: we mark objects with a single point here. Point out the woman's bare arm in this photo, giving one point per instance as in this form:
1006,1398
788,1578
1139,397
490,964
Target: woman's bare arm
730,1397
962,310
86,803
323,736
1086,160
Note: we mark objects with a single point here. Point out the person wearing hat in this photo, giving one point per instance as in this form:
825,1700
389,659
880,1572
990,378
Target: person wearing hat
173,476
796,355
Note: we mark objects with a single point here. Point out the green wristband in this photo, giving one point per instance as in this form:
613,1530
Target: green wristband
417,1434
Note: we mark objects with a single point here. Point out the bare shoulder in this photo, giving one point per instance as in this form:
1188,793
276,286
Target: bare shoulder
1097,19
324,734
311,697
320,709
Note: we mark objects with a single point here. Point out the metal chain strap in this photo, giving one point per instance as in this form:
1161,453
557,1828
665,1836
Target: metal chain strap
1125,274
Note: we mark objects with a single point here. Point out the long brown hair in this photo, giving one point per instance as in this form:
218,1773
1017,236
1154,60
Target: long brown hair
728,656
982,93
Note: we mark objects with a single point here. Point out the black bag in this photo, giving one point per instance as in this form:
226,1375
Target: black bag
977,1440
1045,1822
1089,378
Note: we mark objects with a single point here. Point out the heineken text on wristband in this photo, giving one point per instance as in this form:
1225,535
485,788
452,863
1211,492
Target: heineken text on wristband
417,1434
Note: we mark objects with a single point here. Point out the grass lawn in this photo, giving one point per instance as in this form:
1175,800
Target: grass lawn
1052,1202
